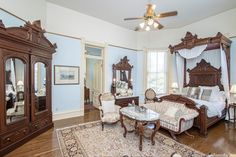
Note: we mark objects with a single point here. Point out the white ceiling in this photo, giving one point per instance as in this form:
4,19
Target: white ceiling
114,11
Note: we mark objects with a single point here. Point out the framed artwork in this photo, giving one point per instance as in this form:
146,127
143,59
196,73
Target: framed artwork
66,75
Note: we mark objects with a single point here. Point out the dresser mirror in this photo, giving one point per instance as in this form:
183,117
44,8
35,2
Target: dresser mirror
122,80
122,75
14,89
40,86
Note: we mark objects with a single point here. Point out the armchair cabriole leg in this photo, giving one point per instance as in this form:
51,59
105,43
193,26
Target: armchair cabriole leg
188,134
173,135
102,126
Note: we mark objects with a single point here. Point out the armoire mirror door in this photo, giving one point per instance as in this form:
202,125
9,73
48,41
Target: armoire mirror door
15,89
40,87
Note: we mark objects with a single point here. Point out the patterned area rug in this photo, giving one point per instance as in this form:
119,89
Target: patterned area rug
89,140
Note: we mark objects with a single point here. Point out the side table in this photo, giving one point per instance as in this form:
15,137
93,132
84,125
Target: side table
232,105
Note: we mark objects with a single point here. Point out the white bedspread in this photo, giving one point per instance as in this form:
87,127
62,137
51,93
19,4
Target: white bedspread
214,108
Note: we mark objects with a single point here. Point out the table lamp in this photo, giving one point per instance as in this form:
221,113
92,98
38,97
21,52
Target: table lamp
233,92
20,85
174,87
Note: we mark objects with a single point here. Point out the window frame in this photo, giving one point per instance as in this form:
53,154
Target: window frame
162,71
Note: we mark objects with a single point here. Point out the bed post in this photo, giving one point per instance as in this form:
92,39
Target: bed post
203,120
185,71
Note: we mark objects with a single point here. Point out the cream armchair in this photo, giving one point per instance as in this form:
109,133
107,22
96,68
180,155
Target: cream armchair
109,112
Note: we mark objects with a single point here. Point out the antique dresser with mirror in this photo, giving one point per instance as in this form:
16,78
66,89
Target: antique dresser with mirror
122,86
25,84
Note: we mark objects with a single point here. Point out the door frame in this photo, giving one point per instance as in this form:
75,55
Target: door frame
83,66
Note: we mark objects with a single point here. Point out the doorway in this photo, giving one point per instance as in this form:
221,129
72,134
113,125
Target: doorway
93,82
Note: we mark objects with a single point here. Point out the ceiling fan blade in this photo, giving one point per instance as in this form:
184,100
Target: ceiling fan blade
167,14
134,18
160,26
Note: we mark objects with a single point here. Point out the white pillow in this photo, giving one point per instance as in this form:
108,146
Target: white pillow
215,89
108,106
218,96
185,91
171,111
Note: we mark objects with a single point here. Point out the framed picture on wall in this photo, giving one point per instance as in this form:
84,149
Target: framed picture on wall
66,75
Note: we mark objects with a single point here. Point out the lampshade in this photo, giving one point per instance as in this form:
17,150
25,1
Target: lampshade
147,28
233,89
174,85
155,25
20,83
150,22
142,25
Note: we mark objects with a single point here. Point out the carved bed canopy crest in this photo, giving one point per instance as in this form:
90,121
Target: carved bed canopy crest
203,68
190,41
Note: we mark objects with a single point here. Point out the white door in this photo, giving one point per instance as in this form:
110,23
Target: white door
97,82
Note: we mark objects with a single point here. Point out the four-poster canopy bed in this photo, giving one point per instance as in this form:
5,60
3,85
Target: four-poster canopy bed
204,74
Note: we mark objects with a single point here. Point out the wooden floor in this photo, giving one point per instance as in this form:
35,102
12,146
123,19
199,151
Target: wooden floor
221,139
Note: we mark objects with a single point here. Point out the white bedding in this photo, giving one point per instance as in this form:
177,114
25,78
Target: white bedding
215,108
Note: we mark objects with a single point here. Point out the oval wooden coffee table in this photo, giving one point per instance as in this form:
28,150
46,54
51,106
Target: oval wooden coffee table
143,117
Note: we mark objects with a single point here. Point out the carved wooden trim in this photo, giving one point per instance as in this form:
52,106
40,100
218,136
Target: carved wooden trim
190,41
2,26
31,34
204,74
202,121
122,65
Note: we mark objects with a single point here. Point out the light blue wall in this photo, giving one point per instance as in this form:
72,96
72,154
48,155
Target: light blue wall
232,61
68,52
9,20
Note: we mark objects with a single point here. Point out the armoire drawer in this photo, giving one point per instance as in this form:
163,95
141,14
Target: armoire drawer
41,124
14,136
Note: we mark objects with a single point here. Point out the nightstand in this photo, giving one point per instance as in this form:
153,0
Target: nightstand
232,105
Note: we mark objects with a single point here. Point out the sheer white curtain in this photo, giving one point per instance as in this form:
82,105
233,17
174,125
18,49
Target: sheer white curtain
157,71
13,75
192,53
224,73
179,61
179,64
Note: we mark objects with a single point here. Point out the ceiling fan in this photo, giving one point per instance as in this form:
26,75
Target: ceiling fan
151,18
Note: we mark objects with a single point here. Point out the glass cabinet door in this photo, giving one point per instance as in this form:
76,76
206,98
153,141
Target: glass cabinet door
14,89
40,87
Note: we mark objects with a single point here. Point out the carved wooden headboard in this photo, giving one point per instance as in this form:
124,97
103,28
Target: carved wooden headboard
204,74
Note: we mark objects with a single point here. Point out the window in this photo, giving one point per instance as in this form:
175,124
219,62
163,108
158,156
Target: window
156,71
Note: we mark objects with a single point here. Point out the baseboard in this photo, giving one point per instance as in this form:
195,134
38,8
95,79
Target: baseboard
68,114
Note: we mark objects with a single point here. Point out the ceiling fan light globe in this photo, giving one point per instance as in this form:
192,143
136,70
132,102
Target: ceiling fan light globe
153,6
150,22
147,28
155,25
141,25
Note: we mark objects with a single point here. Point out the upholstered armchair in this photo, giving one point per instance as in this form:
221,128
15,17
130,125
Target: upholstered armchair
109,112
150,96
